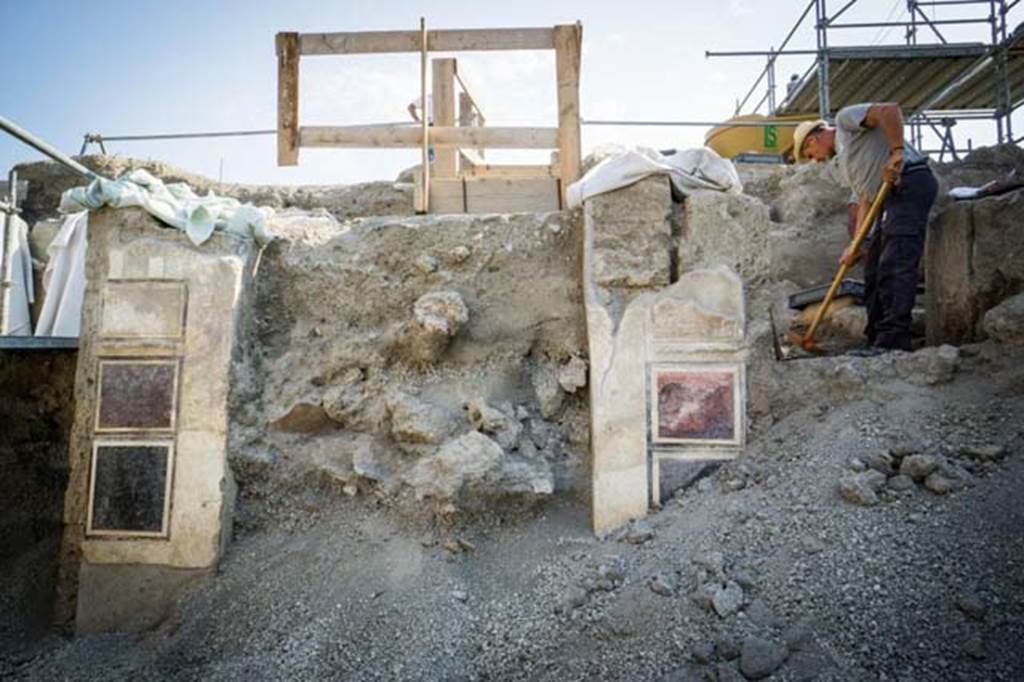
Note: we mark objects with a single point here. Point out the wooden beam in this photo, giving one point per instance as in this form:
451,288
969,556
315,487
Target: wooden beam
451,40
495,195
567,65
443,97
403,136
492,170
287,99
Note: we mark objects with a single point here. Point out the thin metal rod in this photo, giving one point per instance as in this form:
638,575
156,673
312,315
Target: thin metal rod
698,124
824,87
176,136
838,14
894,24
40,145
772,54
931,24
756,53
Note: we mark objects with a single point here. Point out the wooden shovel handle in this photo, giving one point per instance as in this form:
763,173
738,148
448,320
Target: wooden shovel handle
858,238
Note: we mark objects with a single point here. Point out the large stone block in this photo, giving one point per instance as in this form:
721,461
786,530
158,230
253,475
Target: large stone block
674,356
632,235
726,229
149,487
974,259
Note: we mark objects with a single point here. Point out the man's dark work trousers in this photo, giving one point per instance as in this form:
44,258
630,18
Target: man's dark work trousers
890,273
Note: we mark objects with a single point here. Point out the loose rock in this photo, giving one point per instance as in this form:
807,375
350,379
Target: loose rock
759,658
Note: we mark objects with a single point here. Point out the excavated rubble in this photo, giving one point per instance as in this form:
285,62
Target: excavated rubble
436,365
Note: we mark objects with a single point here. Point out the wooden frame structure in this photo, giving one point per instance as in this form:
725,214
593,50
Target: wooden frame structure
455,167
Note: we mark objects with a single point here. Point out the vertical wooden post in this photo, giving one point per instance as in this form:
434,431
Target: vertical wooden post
443,95
425,158
567,65
287,45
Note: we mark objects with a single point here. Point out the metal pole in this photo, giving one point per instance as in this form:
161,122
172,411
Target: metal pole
31,140
999,75
1007,94
771,85
778,122
821,30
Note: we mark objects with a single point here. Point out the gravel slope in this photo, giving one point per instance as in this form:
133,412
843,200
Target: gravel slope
917,587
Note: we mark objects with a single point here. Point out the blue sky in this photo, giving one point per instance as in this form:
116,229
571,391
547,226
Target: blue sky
141,67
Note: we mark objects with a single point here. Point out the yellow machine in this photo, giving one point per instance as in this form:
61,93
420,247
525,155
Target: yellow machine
774,138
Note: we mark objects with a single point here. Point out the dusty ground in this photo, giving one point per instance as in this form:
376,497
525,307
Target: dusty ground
919,587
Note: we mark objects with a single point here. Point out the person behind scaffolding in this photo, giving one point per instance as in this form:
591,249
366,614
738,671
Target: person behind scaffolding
867,141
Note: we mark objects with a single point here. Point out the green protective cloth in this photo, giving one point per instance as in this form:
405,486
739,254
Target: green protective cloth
174,204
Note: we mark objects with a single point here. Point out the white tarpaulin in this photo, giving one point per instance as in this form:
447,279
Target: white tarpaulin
64,279
174,204
688,169
16,260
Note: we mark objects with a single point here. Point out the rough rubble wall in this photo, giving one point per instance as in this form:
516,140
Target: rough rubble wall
48,180
35,420
974,259
807,204
440,354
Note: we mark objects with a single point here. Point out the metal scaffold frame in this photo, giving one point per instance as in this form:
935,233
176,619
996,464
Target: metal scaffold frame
937,82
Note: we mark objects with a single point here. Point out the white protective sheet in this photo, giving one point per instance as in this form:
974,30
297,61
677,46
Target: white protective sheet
17,268
688,169
64,279
174,204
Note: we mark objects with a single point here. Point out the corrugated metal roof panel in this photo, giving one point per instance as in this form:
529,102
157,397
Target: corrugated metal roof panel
911,76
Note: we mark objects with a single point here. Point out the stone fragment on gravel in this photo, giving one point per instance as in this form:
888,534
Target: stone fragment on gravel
881,462
856,464
900,482
728,599
972,606
985,453
759,657
726,673
572,598
712,562
940,484
459,595
759,614
862,488
638,533
704,596
661,585
975,648
703,653
743,579
726,647
918,467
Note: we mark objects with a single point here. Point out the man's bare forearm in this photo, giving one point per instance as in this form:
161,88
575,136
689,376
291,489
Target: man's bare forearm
862,210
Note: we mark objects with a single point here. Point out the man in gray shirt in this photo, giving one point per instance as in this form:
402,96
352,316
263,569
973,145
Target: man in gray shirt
867,142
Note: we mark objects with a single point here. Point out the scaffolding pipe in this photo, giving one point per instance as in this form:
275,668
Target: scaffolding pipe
96,137
772,54
31,140
699,124
845,7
